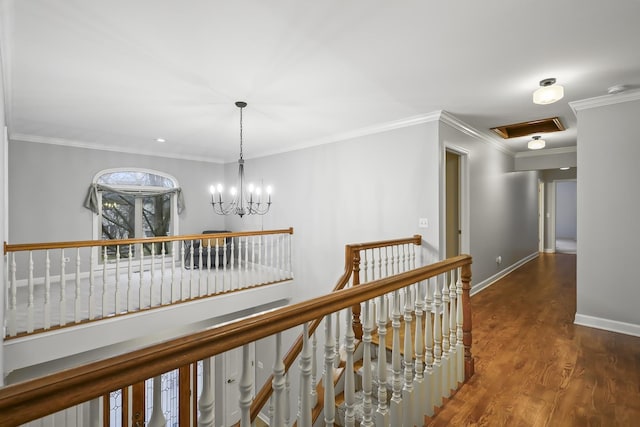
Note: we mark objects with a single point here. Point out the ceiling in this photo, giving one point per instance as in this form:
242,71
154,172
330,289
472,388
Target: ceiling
118,74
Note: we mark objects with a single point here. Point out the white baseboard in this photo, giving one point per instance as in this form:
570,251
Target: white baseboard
607,325
549,251
499,275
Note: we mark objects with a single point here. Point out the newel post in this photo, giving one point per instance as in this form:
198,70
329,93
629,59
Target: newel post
356,324
466,322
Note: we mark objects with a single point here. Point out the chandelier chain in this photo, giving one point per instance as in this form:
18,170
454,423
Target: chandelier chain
241,108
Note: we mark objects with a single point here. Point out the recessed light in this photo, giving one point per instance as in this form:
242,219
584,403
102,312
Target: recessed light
565,168
161,140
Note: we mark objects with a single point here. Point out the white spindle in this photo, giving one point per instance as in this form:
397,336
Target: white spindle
278,384
367,383
290,257
104,282
141,303
130,306
225,261
271,263
396,394
446,392
191,266
152,272
253,260
200,265
336,354
287,400
329,391
246,262
209,267
233,264
407,390
459,343
47,290
13,327
117,288
77,289
305,403
162,273
382,412
419,395
157,414
173,271
349,380
182,271
314,370
206,404
63,296
428,340
453,354
30,313
437,346
216,263
246,385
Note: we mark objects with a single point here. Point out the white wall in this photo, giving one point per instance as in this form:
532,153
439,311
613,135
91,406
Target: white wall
608,206
48,184
3,162
550,158
566,207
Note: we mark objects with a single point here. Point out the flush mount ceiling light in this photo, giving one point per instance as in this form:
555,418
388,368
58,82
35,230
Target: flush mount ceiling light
245,199
566,168
548,92
536,143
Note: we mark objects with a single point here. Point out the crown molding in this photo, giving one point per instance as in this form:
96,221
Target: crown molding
601,101
547,152
463,127
102,147
358,133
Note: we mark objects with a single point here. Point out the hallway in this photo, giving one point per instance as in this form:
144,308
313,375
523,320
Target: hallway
534,367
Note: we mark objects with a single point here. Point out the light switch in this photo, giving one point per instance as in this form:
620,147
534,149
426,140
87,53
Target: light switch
423,223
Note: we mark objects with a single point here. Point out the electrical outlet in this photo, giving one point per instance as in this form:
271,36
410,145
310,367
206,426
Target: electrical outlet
260,365
423,223
499,260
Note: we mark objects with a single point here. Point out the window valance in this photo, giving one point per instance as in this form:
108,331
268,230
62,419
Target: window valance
91,201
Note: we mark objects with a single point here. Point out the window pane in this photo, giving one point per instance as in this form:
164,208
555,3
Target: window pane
118,221
156,220
135,178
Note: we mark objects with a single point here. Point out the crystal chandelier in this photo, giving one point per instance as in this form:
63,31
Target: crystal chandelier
246,200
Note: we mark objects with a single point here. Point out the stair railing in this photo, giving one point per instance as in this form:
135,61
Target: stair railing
29,400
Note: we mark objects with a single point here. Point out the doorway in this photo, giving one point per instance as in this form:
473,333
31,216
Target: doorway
452,202
566,217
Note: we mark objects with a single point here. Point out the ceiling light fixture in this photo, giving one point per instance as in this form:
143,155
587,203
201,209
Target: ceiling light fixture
536,143
548,92
246,200
566,168
161,140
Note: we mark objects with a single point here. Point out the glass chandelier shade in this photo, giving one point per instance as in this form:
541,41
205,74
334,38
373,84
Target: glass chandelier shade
548,92
245,199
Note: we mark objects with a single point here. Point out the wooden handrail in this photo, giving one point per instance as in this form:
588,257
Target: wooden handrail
89,243
29,400
350,254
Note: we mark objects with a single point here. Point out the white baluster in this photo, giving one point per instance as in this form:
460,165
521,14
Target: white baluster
446,392
407,390
173,271
182,271
152,271
30,314
63,296
336,360
428,340
94,412
314,370
47,290
200,266
77,293
253,261
304,400
278,384
459,343
191,265
413,255
379,263
453,354
246,385
287,400
209,267
271,263
157,414
396,395
419,395
225,261
367,383
117,289
130,307
271,411
246,261
141,303
437,347
162,273
290,257
216,263
206,404
349,380
382,412
13,327
233,264
329,391
104,282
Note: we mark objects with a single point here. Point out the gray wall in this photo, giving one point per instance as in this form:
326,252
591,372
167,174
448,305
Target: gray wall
566,206
608,206
48,184
549,177
503,206
3,161
546,159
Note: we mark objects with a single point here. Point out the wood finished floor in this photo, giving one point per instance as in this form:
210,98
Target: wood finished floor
534,367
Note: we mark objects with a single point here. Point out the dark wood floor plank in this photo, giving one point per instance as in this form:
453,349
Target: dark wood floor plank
534,367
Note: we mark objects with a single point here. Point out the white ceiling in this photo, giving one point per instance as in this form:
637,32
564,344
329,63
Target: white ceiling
122,73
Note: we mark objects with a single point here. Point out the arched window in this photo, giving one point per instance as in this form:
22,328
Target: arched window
134,203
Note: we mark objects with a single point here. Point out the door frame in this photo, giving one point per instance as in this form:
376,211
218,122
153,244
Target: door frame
541,221
463,202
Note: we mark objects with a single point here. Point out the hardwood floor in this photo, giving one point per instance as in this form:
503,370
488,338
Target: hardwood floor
534,367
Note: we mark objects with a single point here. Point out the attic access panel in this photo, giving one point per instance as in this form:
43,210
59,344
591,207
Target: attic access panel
551,124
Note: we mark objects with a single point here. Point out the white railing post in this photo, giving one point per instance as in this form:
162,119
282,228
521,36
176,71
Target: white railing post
429,398
419,395
453,354
129,282
329,391
459,319
396,395
349,380
305,399
336,354
104,282
206,404
287,399
382,412
63,296
141,278
76,311
117,288
47,291
13,326
30,313
407,390
162,273
278,384
157,415
437,346
246,385
314,370
367,323
445,338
